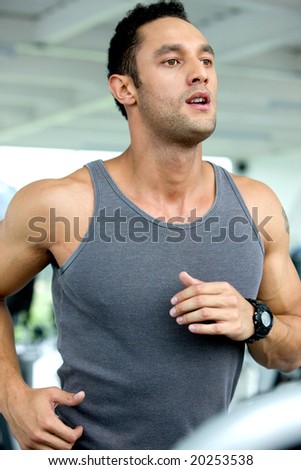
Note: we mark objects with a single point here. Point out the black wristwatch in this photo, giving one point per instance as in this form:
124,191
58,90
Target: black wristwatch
263,320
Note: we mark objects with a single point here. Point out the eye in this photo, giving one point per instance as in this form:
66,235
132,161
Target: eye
171,62
207,62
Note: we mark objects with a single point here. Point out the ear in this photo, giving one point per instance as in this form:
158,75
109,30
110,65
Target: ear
123,89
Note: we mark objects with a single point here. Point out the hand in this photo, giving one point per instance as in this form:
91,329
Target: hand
212,308
33,421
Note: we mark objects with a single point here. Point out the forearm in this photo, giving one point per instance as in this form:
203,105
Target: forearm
10,375
281,349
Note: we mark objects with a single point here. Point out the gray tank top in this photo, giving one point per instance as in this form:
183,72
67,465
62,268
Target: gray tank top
148,380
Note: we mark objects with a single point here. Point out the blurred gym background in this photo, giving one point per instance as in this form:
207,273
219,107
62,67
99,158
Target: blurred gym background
56,113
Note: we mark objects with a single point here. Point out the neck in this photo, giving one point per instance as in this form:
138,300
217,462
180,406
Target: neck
170,173
170,184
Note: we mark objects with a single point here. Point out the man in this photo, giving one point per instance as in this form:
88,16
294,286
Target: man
150,303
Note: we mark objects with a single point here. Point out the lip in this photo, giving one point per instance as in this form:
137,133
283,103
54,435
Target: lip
199,94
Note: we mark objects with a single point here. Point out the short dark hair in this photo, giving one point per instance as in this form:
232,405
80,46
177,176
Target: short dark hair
126,40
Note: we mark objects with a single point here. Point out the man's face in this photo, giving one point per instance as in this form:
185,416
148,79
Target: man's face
177,95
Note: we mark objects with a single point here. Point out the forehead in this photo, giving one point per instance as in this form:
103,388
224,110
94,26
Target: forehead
167,31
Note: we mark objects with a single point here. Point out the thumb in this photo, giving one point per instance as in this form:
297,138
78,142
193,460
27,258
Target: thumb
69,399
188,280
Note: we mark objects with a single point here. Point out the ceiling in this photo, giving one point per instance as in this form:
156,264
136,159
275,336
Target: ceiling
53,86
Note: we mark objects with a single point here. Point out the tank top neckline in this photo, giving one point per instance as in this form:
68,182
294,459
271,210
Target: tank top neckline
152,219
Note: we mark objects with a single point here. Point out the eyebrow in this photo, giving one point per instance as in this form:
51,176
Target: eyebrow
166,48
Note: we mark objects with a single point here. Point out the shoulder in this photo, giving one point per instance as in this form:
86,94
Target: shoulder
45,192
68,196
26,244
58,189
255,192
265,208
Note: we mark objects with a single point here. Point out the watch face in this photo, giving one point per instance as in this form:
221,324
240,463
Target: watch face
266,319
263,321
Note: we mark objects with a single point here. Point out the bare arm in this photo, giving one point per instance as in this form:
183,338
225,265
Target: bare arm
281,290
29,413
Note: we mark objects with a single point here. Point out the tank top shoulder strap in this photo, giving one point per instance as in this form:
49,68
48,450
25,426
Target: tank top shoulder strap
97,176
226,179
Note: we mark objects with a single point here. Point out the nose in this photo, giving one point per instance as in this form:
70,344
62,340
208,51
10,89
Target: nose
197,73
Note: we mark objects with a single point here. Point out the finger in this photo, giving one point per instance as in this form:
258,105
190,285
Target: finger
54,445
67,438
207,329
197,303
195,297
62,436
61,397
64,432
187,280
204,315
48,440
201,288
58,428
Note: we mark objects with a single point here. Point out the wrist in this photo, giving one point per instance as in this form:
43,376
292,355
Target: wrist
263,321
12,385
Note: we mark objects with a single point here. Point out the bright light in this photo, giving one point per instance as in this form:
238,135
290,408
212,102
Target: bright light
22,165
225,162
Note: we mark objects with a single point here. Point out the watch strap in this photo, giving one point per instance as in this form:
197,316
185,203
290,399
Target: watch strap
261,331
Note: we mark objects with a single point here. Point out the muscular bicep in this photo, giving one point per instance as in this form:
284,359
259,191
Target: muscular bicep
20,258
281,286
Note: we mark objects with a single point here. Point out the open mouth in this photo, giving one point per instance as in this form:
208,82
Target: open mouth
198,100
201,98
